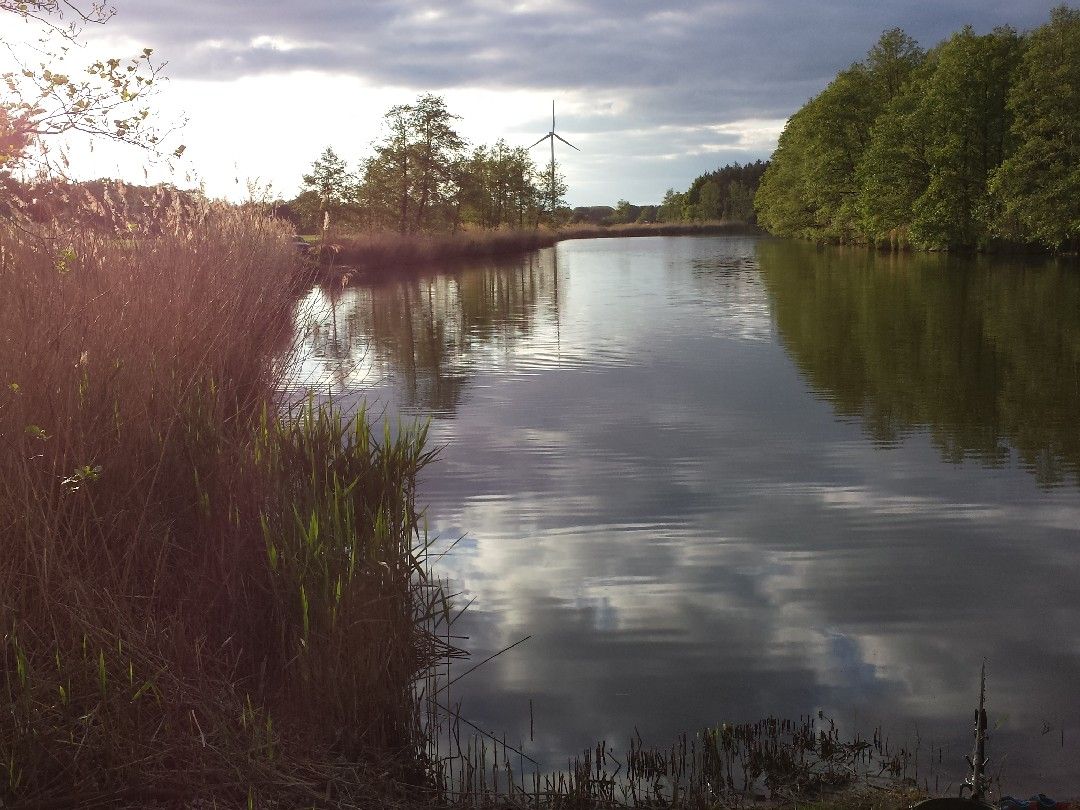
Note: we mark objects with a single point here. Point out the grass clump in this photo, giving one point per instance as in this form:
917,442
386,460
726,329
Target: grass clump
204,591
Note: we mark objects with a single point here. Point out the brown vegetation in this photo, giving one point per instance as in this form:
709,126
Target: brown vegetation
387,253
203,592
208,594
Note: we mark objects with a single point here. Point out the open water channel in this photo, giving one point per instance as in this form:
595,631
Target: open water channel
722,478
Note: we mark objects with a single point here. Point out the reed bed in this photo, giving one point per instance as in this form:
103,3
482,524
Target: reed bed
383,254
213,596
205,592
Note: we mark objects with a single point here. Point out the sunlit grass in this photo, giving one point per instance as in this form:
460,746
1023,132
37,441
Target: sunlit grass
203,591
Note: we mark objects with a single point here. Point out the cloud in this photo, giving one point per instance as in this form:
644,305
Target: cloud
690,536
617,66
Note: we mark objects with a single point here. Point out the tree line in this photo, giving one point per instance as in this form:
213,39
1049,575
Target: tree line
974,144
422,176
726,193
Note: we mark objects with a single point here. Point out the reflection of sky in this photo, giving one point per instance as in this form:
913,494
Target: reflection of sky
690,536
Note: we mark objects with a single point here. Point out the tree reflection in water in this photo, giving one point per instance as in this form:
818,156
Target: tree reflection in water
982,353
428,330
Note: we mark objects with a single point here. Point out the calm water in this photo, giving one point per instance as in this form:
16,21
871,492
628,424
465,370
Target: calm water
721,478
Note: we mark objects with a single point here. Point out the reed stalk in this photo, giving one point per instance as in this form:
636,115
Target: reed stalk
205,592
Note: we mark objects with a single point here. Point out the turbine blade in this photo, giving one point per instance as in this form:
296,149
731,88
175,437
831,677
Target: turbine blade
542,140
561,138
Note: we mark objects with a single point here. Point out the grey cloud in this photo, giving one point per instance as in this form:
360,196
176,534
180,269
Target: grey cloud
774,50
691,63
678,566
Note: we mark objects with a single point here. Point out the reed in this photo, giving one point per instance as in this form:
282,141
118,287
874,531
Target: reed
382,254
211,594
769,763
205,592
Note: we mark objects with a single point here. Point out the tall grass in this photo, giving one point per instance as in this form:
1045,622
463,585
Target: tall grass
388,253
203,591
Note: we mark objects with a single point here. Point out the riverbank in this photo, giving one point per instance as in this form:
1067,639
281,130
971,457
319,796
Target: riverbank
384,255
207,593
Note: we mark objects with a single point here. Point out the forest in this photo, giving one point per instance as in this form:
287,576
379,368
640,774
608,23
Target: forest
726,193
974,144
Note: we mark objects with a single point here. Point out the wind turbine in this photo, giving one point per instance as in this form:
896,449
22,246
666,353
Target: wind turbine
551,136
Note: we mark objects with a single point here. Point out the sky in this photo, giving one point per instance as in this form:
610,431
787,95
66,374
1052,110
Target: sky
653,93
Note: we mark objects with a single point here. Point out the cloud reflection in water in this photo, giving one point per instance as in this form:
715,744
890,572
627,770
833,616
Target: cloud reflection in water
717,479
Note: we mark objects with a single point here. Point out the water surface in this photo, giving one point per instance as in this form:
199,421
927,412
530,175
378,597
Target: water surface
722,478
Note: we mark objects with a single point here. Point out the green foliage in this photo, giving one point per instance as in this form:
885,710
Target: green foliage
411,180
329,183
1038,185
891,62
782,202
48,95
894,169
970,143
725,193
498,186
811,187
964,116
420,178
710,201
672,207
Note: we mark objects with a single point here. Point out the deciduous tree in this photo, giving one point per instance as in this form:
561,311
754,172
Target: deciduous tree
46,95
1037,188
330,183
967,128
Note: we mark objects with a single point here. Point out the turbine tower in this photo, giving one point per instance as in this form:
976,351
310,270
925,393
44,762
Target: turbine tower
551,136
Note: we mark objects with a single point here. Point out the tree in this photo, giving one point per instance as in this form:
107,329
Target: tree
45,98
1037,188
895,170
976,140
967,125
411,179
783,202
497,186
671,207
740,202
623,213
555,195
710,201
330,183
810,188
891,62
437,148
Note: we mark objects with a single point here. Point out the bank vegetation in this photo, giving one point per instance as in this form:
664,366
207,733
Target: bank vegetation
207,590
974,144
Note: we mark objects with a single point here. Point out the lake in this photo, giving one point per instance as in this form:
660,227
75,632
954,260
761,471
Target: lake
718,478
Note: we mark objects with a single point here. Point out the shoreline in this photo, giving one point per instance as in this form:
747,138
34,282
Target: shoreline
381,256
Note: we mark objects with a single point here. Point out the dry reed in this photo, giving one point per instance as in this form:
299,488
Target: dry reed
203,593
207,594
386,253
